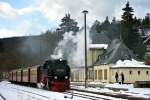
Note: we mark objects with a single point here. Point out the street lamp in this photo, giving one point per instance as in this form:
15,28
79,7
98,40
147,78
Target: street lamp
85,12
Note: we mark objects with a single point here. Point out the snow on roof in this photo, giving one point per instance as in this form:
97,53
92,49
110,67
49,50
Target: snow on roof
98,46
130,63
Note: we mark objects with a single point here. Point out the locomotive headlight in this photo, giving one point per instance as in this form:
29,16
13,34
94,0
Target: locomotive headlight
66,77
55,77
60,59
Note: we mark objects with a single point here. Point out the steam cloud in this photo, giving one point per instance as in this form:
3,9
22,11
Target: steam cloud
72,48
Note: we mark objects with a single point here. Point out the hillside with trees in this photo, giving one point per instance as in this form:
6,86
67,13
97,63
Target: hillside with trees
26,51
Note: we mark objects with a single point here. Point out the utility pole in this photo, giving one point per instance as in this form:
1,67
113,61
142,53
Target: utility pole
40,56
85,12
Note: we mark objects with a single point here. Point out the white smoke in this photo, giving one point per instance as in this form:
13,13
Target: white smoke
72,48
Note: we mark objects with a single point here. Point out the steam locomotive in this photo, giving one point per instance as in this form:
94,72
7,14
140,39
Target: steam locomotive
53,75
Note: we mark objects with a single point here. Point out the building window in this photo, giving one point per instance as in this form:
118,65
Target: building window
146,72
105,74
138,72
99,74
130,72
95,74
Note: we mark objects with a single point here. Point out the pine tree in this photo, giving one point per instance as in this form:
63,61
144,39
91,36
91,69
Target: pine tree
136,22
114,29
110,29
127,17
105,24
93,30
130,34
146,20
94,27
68,24
127,25
114,20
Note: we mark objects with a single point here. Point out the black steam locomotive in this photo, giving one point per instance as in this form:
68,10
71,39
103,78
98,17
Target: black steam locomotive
58,73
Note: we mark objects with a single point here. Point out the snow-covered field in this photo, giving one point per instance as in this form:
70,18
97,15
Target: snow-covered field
14,92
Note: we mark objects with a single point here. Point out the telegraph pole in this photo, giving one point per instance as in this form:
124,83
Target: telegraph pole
85,12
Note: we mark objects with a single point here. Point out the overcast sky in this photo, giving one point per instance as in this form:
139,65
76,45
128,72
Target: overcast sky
31,17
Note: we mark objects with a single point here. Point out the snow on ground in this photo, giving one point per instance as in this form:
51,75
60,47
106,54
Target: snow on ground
117,85
116,88
137,92
14,92
130,90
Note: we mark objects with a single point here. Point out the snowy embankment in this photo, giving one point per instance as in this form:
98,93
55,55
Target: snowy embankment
15,92
137,92
123,89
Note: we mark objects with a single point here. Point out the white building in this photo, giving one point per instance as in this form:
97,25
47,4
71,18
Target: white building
133,71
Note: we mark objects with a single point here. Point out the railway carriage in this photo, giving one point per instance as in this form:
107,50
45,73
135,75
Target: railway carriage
34,74
25,75
15,75
19,75
10,76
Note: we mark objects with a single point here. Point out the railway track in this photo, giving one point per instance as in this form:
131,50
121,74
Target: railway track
21,91
2,97
68,94
77,93
30,94
90,96
117,96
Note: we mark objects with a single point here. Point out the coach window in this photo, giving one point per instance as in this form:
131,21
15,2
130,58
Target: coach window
130,72
138,72
147,73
